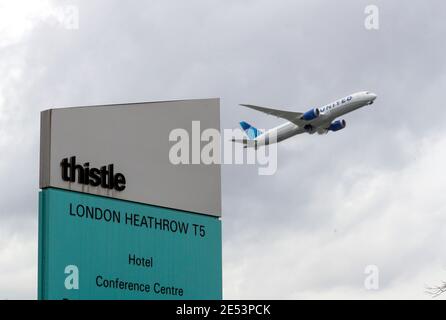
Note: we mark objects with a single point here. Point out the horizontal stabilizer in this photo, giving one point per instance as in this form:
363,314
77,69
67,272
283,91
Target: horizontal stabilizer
246,143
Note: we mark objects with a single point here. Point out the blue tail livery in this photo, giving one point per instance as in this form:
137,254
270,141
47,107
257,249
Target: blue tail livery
250,131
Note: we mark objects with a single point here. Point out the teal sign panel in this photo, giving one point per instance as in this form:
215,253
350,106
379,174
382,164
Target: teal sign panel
93,247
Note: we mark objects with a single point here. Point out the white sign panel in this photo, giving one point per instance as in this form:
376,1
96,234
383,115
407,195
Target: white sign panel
122,151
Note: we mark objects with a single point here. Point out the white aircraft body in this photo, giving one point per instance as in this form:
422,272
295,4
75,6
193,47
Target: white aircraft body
320,120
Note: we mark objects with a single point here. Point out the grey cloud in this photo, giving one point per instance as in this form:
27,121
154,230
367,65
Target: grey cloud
289,54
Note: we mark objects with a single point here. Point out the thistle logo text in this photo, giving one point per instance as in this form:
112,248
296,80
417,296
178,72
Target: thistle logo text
104,177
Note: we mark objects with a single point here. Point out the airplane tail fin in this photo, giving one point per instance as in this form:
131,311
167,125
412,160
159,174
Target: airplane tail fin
250,131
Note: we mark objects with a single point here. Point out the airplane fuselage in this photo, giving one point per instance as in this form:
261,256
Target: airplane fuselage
321,124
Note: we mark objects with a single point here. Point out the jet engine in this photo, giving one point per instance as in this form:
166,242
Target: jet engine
311,115
337,125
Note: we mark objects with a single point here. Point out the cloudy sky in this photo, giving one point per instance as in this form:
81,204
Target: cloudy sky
370,195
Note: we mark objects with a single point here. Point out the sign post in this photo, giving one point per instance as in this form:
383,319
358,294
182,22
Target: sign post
117,220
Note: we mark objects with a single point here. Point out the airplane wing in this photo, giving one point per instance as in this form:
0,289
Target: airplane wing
293,117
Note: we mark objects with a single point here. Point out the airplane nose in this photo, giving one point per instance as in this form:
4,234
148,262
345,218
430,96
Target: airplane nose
373,96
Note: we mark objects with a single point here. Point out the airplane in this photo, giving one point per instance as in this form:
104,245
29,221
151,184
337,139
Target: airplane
317,120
